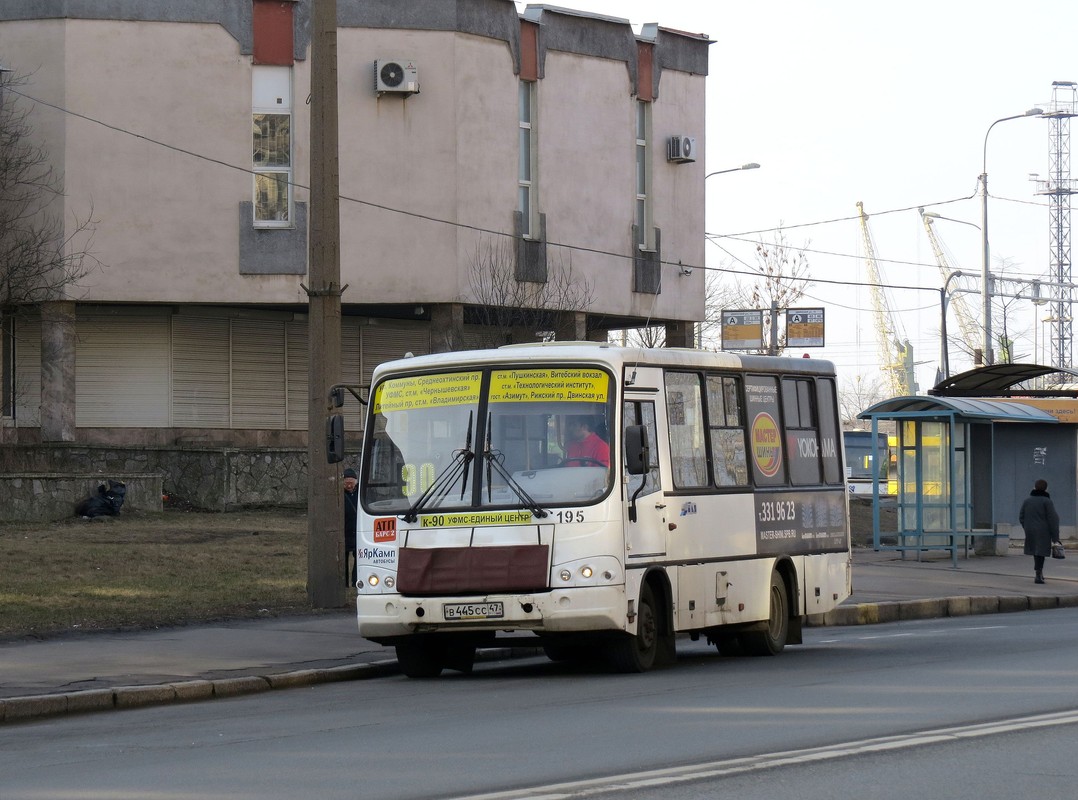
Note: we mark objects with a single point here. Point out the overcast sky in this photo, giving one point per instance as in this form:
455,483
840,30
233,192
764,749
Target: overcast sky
888,103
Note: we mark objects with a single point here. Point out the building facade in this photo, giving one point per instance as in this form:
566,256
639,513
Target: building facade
489,159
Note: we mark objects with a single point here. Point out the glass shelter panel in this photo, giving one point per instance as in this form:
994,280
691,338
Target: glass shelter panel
936,476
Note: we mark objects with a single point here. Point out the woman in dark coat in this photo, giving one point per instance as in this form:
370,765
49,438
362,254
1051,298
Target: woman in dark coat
1041,524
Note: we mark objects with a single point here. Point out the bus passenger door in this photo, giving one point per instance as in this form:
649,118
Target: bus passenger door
645,537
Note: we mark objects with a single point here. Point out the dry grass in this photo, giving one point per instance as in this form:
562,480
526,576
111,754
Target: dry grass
145,570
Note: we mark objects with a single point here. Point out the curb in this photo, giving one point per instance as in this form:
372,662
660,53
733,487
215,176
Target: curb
37,706
34,707
962,606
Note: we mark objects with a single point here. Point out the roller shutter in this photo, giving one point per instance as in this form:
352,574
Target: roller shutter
27,371
122,371
387,341
200,376
297,375
350,373
258,374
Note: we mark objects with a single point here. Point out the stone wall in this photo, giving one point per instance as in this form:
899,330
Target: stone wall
42,496
212,478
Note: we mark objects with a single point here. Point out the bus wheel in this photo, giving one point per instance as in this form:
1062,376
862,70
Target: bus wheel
728,644
771,640
637,653
420,657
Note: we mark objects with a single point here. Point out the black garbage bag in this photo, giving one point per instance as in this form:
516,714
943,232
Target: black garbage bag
106,503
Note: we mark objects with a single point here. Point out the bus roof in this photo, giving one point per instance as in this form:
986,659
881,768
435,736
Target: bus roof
611,355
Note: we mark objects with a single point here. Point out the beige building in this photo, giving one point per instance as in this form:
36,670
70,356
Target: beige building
488,157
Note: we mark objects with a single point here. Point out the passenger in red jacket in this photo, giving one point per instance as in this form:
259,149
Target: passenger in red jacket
585,447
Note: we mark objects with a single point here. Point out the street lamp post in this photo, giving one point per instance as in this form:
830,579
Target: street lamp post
750,165
986,274
945,359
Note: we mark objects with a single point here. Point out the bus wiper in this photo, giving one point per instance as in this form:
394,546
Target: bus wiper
494,460
446,479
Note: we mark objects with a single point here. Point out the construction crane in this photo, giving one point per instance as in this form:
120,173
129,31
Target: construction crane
967,322
895,351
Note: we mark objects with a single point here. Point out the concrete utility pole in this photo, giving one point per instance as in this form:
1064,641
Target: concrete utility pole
325,514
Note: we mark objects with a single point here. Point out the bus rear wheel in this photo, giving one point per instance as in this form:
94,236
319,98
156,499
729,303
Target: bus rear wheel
425,656
772,638
638,653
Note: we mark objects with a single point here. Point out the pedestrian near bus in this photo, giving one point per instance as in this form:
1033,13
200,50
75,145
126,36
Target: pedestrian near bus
1041,524
351,508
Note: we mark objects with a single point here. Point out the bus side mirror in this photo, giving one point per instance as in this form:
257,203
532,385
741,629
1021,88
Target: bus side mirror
636,450
335,439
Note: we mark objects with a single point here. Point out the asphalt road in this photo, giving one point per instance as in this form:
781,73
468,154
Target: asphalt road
519,728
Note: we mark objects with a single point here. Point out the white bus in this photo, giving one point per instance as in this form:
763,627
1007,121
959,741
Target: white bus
604,499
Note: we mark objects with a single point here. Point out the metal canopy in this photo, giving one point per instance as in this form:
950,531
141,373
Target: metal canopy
997,380
964,407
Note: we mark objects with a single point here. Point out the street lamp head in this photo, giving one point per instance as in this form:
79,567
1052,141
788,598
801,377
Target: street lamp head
750,165
1034,112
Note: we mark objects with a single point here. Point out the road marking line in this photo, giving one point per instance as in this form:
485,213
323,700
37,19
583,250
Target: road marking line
738,766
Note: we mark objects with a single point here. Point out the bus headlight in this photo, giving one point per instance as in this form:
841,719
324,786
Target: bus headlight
373,580
389,581
595,571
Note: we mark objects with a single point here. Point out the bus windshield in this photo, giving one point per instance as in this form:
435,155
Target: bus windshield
493,438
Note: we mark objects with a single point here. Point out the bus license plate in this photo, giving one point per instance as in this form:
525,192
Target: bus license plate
473,610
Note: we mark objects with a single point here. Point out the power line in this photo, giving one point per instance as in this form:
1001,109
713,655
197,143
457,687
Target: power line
568,246
845,219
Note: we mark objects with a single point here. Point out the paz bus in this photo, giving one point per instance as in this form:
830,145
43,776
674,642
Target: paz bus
602,499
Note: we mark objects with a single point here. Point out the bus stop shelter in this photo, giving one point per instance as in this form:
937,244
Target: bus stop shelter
963,464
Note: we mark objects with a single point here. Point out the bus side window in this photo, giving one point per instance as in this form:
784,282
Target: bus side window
728,454
635,412
802,431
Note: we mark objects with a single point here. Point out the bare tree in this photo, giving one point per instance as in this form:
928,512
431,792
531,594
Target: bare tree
649,336
855,395
509,309
783,279
717,296
39,257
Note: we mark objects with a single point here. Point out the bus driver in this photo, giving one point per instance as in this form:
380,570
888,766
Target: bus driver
585,447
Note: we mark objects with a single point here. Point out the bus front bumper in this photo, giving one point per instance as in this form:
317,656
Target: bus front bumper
558,611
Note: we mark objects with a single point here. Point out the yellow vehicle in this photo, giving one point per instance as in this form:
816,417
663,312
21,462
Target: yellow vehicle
863,467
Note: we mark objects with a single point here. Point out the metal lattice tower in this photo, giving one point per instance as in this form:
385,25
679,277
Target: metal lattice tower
1058,188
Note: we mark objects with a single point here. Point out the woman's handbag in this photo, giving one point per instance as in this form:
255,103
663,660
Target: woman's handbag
1057,550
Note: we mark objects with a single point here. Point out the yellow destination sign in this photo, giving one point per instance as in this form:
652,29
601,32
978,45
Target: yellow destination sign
542,385
427,391
475,518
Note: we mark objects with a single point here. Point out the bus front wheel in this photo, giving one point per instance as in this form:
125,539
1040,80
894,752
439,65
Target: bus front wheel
638,653
771,638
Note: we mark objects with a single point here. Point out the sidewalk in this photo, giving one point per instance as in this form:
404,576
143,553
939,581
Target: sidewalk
102,671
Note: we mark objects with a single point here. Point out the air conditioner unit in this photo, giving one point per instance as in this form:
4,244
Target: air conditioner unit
398,75
681,149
